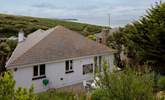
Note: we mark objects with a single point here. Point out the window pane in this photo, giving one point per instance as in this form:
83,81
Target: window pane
88,68
42,69
67,65
100,62
95,61
71,64
35,70
100,40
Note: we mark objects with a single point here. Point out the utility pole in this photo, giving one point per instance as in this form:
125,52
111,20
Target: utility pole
109,20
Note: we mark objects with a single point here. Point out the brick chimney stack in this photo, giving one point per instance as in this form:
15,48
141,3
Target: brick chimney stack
104,33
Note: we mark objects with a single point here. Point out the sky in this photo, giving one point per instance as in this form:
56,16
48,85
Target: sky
96,12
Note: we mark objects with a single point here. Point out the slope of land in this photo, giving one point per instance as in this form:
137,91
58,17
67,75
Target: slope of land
10,25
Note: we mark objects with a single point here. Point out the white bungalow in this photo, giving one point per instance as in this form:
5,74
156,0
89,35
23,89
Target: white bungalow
56,58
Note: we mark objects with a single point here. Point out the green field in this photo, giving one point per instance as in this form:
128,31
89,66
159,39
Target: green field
10,25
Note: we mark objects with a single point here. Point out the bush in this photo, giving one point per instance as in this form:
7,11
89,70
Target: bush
9,92
161,83
99,94
60,95
124,85
92,37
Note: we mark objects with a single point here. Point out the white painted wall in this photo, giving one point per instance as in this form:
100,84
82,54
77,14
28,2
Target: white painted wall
110,60
55,71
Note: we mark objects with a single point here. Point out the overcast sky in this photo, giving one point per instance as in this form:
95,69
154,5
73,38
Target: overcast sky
88,11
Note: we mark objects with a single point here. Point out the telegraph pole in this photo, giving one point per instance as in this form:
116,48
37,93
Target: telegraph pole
109,21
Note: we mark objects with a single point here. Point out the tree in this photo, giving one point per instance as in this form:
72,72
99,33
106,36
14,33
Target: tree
4,51
9,92
7,46
123,85
145,38
117,41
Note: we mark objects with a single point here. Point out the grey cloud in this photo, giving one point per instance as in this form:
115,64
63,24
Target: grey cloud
45,5
68,7
95,14
95,11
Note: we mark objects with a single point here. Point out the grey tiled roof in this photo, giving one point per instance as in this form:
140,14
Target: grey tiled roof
54,44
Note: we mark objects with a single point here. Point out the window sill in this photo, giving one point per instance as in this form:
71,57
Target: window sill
39,77
88,73
69,72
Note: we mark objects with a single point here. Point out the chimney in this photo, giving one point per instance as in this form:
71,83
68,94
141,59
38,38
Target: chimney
21,37
105,33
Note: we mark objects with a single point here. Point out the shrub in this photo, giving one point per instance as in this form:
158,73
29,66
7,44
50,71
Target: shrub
92,37
124,85
99,94
9,92
56,95
161,83
6,87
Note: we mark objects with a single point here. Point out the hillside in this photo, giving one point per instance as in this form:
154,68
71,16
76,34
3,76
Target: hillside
10,25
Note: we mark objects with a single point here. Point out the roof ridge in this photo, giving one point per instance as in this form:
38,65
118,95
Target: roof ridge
36,31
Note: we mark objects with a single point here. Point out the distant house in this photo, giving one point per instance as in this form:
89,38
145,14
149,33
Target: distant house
56,58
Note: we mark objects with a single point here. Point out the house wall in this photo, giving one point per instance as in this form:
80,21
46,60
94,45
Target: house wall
54,73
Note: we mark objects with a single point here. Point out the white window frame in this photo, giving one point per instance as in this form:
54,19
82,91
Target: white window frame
38,67
70,64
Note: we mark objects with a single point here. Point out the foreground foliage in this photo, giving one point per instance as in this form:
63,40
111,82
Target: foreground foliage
161,83
8,91
60,95
124,85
